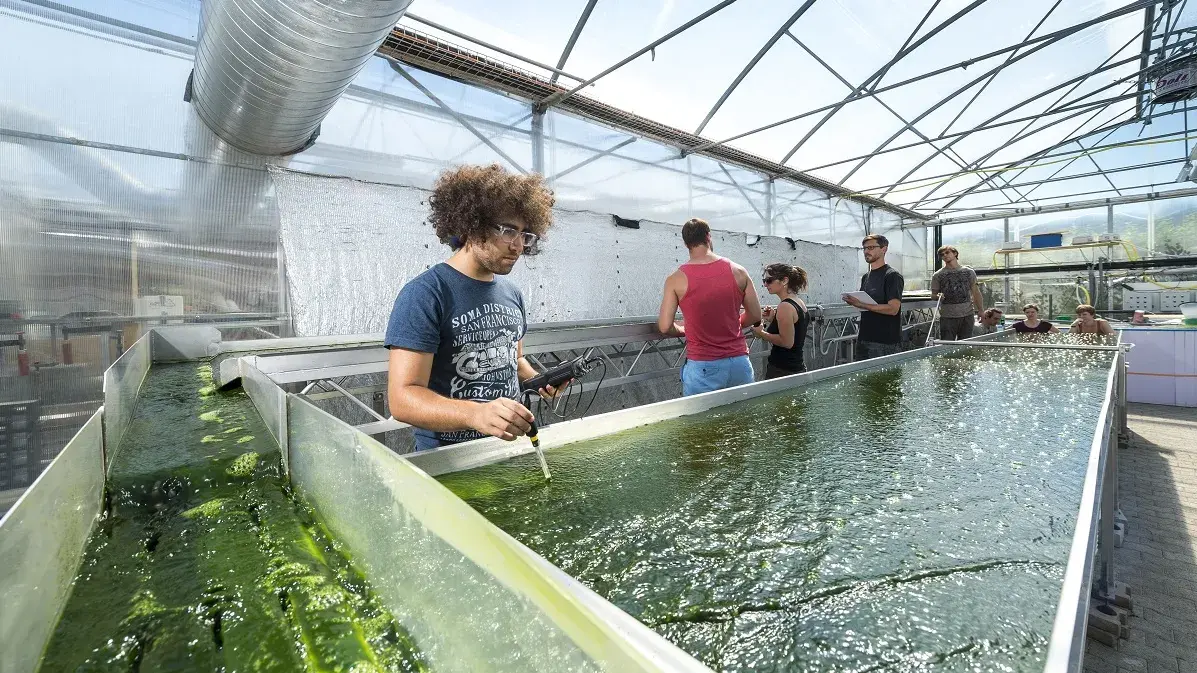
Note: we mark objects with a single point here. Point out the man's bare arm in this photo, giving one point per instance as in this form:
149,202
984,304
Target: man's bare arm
412,402
752,303
666,323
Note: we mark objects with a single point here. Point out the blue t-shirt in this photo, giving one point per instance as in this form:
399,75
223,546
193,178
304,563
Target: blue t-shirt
471,327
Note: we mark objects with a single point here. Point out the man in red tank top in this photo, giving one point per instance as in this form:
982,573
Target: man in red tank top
710,291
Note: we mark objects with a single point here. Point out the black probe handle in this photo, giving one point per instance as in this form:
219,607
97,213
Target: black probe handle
553,377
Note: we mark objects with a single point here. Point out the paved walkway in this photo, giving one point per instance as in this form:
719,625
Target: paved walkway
1158,560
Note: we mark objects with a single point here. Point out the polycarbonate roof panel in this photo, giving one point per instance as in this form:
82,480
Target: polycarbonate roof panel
998,85
925,98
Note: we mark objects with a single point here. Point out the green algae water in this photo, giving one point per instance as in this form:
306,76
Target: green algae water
203,562
913,517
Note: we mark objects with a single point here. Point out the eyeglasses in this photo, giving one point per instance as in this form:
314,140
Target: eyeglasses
871,247
510,235
766,281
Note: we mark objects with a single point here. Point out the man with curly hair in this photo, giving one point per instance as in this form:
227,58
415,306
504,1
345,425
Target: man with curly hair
456,331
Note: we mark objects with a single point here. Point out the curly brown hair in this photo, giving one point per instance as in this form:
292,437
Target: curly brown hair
468,201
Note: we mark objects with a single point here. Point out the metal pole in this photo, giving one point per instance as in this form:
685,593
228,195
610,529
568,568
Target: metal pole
1123,427
538,142
1026,344
1150,229
1105,542
769,194
1006,289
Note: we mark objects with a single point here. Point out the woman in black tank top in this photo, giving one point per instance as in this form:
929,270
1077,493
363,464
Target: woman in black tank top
789,322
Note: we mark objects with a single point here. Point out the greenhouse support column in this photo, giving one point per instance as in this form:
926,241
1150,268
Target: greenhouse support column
1110,219
1150,229
936,242
769,207
689,188
831,217
538,141
1006,290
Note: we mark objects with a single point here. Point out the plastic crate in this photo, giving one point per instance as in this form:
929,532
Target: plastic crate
1170,300
1139,301
20,446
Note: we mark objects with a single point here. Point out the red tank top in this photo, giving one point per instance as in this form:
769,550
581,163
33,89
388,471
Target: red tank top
711,312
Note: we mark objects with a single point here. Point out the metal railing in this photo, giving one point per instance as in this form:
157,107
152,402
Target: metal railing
329,368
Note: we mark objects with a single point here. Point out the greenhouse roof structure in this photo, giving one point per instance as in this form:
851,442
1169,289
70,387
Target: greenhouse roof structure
942,108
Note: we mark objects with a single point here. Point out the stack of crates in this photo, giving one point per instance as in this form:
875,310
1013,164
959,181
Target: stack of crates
20,448
1139,301
1170,300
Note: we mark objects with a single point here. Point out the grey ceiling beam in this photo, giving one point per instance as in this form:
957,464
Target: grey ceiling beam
1074,83
973,99
1145,59
556,98
1062,207
983,87
455,115
1071,136
1084,151
744,194
492,47
1091,174
955,158
1053,36
589,160
1013,59
905,44
573,39
1071,153
875,79
1104,174
959,194
1071,107
927,198
986,157
752,64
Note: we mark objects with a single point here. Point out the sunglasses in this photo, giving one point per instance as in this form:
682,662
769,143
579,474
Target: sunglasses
766,281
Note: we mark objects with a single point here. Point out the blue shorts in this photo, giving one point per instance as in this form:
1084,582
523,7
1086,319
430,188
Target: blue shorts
703,376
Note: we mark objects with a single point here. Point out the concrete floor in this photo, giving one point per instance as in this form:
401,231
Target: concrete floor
1158,561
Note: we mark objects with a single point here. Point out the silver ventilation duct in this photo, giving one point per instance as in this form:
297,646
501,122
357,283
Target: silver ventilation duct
268,71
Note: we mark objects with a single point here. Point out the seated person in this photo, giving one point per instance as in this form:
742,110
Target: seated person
990,318
1031,324
1087,322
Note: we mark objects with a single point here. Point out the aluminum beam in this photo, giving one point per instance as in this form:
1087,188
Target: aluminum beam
785,27
562,95
873,80
510,54
573,39
465,123
1054,36
1059,208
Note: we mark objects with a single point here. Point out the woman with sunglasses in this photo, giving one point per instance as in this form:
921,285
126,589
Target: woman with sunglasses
788,323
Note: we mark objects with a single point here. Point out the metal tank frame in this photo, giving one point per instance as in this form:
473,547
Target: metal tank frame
42,537
1093,540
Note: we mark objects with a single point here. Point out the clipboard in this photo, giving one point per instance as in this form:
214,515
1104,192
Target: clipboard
862,296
